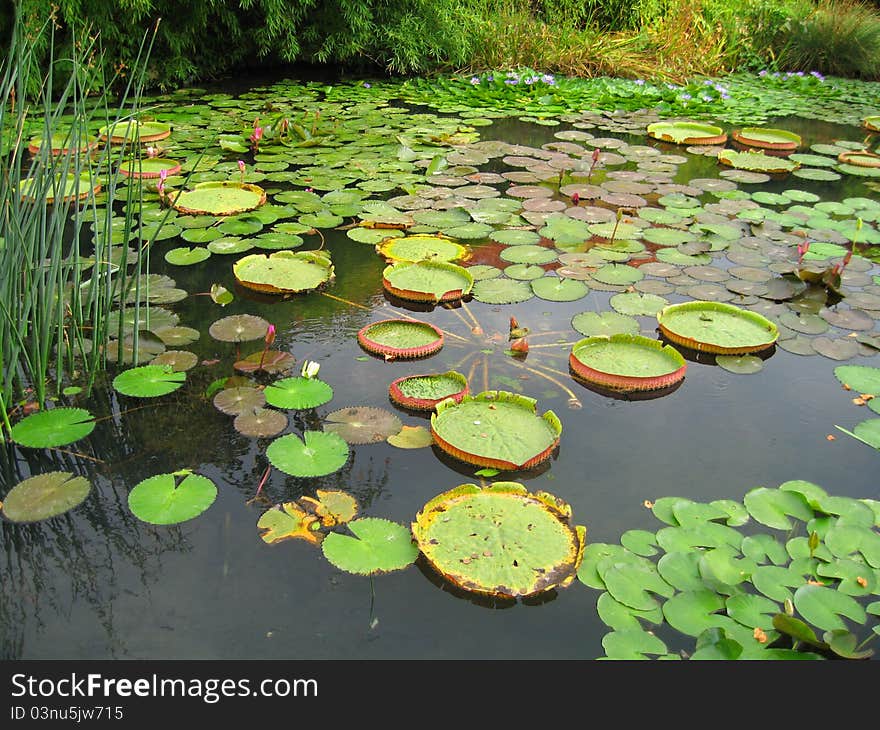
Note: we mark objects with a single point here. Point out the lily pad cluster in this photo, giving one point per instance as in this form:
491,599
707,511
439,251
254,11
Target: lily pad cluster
787,573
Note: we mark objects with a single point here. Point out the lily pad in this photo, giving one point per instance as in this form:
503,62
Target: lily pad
500,540
217,198
332,506
740,364
422,247
496,429
55,427
289,521
148,381
424,392
378,546
591,324
284,272
627,362
502,291
754,161
237,400
430,281
411,437
134,131
298,393
187,256
767,138
168,499
559,289
860,378
685,132
239,328
363,424
316,454
149,167
717,327
260,422
45,495
400,338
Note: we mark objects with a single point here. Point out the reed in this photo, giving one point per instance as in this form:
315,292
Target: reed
58,279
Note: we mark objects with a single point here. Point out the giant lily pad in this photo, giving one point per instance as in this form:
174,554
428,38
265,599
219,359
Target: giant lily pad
421,247
68,188
500,541
427,281
133,131
400,338
363,424
217,198
284,272
766,138
378,546
167,499
717,327
149,167
424,392
316,454
45,495
496,429
627,362
687,132
55,427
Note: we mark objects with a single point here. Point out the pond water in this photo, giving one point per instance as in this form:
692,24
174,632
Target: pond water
98,583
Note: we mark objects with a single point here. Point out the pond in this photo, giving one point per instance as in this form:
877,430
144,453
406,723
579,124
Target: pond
97,582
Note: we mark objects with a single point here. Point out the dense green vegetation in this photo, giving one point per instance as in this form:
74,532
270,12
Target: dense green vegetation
669,39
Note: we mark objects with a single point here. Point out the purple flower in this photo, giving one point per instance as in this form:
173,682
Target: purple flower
490,78
548,79
367,85
639,82
817,75
512,82
725,96
474,80
685,97
706,98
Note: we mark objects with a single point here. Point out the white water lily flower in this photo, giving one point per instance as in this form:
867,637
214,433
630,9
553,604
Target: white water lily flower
310,369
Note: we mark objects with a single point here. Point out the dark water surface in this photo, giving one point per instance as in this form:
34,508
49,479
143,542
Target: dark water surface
98,583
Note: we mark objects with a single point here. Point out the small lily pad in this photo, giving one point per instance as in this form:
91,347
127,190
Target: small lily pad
239,328
740,364
411,437
148,381
168,499
377,546
260,422
55,427
363,424
298,393
45,495
316,454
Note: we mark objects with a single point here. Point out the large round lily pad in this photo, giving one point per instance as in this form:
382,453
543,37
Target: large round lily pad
284,272
496,429
717,327
400,338
167,499
217,198
627,362
687,132
45,495
500,541
68,188
755,161
298,393
134,131
149,381
149,167
421,247
424,392
427,281
766,138
239,328
316,454
378,546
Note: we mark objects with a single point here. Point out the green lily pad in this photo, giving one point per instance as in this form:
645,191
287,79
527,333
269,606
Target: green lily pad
627,362
168,499
528,254
692,612
496,429
289,521
411,437
686,132
363,424
421,247
637,304
823,607
590,324
284,272
298,393
740,364
515,237
558,289
765,137
218,198
186,256
378,546
318,453
500,540
427,280
860,378
754,161
45,495
55,427
502,291
632,645
773,507
716,327
148,381
618,274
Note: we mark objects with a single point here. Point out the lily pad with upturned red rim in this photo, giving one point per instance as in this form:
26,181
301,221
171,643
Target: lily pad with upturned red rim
284,272
132,131
427,281
626,362
60,145
424,392
217,198
496,429
687,133
859,158
766,138
717,327
400,338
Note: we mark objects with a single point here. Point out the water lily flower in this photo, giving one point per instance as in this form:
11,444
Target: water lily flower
575,198
802,249
270,335
160,186
256,136
151,151
241,169
310,369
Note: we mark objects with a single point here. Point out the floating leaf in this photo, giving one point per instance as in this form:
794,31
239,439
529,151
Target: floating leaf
363,424
260,422
627,362
45,495
860,378
634,644
378,546
148,381
411,437
716,327
591,324
239,328
167,499
288,521
267,361
284,272
316,454
500,540
772,507
56,427
823,607
332,506
298,393
740,364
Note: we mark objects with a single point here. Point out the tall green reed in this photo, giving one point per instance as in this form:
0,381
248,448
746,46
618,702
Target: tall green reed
60,274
